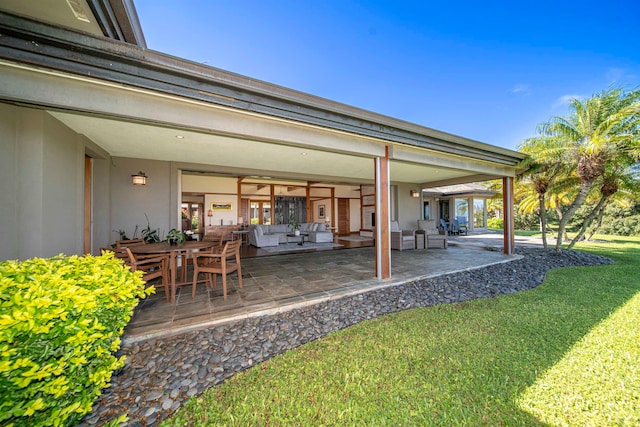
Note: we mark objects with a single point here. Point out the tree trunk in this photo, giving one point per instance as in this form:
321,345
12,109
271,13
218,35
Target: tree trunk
577,202
588,220
543,219
596,227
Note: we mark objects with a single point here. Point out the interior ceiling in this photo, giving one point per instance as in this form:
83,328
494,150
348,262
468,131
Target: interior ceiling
217,153
74,14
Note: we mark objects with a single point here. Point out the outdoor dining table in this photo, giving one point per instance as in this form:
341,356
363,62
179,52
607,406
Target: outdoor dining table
173,251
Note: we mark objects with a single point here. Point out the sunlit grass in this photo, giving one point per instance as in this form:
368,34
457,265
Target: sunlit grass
526,359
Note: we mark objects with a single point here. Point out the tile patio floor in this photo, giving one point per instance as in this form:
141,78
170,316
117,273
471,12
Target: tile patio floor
277,283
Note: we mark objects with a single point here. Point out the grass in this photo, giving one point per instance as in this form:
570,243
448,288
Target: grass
565,353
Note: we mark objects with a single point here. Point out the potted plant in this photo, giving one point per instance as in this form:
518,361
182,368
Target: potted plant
295,225
149,235
176,237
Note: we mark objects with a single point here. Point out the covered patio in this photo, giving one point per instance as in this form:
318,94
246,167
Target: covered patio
273,284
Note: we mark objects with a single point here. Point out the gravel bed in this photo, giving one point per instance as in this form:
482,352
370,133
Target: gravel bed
161,374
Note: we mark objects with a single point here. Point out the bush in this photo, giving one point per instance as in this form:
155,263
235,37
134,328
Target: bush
60,324
497,223
529,222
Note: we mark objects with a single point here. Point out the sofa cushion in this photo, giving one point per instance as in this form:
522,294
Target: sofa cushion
279,228
321,227
259,230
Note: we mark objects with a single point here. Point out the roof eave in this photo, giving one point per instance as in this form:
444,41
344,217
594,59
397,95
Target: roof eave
57,48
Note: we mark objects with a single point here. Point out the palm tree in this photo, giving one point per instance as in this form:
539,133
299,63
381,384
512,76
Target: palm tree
600,130
545,168
618,177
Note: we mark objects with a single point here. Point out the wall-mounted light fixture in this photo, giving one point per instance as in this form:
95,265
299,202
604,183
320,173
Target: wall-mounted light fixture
209,214
415,194
139,179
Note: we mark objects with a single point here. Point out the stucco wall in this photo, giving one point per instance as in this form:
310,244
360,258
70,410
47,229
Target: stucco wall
9,203
408,208
130,203
42,185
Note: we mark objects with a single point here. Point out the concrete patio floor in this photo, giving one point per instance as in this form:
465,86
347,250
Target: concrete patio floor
278,283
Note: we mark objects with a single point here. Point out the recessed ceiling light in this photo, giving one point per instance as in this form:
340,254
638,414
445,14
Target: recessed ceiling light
304,153
179,136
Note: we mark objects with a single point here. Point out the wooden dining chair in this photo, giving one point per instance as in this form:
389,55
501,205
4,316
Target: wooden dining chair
187,258
121,244
212,263
152,268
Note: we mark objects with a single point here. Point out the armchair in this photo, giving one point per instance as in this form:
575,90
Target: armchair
402,239
213,263
433,238
462,224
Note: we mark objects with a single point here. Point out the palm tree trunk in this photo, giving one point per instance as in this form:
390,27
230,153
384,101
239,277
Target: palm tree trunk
585,187
596,227
588,220
543,219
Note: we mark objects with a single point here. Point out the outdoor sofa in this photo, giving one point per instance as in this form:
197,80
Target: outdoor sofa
261,235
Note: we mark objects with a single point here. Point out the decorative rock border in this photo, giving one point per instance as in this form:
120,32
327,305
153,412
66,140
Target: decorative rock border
160,375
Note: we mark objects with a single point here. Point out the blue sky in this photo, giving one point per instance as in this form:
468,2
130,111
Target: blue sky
489,71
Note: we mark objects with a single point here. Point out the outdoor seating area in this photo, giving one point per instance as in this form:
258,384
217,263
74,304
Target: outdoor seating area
276,283
160,259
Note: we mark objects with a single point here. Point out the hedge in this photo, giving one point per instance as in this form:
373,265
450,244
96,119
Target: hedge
61,320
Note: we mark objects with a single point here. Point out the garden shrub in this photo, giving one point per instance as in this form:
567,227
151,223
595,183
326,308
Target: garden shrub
497,223
60,325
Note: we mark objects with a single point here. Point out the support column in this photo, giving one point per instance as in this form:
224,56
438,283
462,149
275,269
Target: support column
239,200
383,238
507,205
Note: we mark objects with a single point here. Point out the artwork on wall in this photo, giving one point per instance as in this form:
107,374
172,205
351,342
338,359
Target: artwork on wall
321,211
221,206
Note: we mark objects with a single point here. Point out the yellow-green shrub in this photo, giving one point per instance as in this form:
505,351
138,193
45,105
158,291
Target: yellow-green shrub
60,324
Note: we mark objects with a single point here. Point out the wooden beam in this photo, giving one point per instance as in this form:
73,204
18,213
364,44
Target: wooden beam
308,204
333,208
383,247
507,205
272,197
239,201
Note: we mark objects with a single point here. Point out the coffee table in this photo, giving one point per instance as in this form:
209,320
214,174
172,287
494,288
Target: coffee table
301,236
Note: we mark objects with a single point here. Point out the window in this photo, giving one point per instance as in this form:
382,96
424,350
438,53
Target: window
260,212
426,211
462,210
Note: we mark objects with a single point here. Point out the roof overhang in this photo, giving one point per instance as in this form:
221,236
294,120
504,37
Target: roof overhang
134,102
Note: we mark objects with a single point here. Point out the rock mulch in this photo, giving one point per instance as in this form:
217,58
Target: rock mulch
161,374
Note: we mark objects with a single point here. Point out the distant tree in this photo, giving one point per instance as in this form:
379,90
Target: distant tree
600,135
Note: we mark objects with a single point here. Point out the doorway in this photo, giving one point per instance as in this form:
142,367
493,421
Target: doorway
192,218
444,209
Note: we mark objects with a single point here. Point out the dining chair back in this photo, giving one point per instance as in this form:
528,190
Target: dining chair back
121,244
216,262
151,267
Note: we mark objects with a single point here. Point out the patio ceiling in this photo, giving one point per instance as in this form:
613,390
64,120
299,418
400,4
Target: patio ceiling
241,156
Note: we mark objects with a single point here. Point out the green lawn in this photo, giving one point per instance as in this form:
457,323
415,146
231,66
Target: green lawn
565,353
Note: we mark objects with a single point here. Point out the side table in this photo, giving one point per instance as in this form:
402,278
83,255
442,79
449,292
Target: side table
420,240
